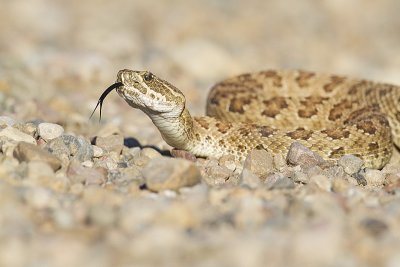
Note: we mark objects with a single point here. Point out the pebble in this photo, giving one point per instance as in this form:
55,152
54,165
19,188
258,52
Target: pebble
301,177
374,177
17,135
80,174
298,154
178,153
214,174
277,181
229,162
70,147
29,152
114,142
97,151
350,164
49,131
249,179
260,163
168,173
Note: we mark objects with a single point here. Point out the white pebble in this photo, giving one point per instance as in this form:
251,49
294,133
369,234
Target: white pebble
97,151
17,135
49,131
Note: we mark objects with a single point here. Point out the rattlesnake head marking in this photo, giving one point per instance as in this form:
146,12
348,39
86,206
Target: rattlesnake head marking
147,92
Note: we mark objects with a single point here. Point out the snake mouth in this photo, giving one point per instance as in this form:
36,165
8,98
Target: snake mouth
104,95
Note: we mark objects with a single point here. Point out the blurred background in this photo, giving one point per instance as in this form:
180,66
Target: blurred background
52,50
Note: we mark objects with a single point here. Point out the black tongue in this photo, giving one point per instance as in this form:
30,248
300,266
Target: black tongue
103,96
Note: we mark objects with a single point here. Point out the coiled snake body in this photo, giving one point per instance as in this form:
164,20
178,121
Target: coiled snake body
332,115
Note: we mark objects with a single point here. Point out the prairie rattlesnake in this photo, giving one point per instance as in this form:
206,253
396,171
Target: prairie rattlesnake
332,115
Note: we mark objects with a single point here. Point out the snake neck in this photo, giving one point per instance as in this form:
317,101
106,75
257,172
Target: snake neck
176,130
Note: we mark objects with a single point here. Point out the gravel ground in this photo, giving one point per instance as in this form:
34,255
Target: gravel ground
75,192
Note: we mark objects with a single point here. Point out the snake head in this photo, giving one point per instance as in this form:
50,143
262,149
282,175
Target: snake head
147,92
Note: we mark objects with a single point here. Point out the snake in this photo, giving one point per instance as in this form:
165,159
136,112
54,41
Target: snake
332,115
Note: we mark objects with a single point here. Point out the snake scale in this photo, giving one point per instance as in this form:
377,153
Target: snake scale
330,114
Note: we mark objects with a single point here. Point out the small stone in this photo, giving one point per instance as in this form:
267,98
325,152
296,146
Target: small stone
277,181
97,151
312,170
260,163
214,174
29,152
7,121
359,178
140,160
374,177
80,174
279,162
68,147
107,162
230,163
49,131
301,177
350,163
322,182
17,135
132,173
334,171
30,128
247,178
151,153
114,142
183,154
168,173
301,155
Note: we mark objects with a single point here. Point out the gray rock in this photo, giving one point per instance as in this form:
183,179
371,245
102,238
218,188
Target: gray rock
17,135
350,164
114,142
49,131
168,173
29,152
71,147
298,154
249,179
260,163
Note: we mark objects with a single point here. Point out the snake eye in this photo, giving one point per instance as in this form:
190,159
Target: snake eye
148,76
